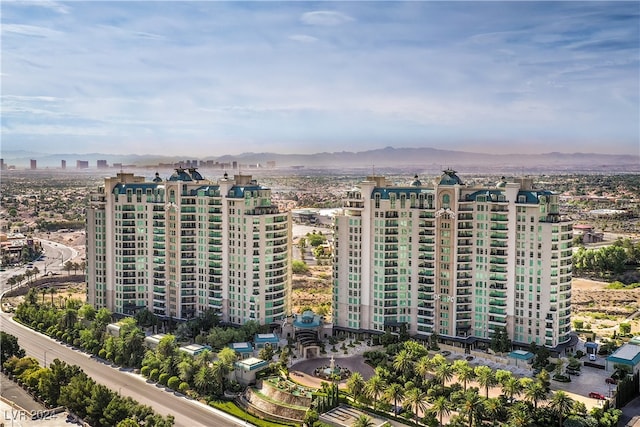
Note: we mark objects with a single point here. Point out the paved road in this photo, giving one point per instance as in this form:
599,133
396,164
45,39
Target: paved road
52,261
187,413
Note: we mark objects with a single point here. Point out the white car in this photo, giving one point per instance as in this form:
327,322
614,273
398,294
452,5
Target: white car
592,357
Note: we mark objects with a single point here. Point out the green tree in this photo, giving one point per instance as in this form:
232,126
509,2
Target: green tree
355,386
363,421
485,377
463,371
443,372
299,267
500,342
394,393
561,404
441,406
374,387
9,347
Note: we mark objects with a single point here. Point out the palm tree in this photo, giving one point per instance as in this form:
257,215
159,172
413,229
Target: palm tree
441,406
471,406
394,392
373,388
417,399
493,408
534,392
443,373
52,291
355,385
511,387
485,377
423,366
203,380
561,404
363,421
403,363
463,371
519,415
44,292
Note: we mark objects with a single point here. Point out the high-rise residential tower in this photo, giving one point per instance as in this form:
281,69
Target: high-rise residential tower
186,244
456,260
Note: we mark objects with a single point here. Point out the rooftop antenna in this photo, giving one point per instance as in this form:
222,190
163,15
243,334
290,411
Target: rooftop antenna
373,170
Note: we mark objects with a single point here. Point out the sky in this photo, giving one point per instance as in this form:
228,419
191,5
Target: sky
209,78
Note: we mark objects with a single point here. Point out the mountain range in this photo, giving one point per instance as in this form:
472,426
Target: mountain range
387,157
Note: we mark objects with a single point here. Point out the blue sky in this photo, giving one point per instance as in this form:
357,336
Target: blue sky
212,78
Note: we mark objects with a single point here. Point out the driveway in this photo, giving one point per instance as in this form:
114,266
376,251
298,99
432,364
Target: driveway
302,371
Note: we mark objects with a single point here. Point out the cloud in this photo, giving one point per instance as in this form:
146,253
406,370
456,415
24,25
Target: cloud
51,5
29,30
325,18
303,38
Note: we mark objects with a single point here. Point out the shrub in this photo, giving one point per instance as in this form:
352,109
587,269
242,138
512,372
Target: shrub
145,371
102,353
183,387
164,377
153,375
173,383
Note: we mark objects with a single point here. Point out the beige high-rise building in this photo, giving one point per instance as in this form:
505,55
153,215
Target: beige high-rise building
457,260
184,245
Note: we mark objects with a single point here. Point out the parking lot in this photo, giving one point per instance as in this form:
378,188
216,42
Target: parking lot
589,380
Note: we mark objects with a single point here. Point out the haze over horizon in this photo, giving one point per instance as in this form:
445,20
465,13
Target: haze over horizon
214,78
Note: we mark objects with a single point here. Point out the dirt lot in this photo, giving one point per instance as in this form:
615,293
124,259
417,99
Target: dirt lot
604,309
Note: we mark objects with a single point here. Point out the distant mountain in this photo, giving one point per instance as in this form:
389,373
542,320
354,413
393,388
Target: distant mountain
387,157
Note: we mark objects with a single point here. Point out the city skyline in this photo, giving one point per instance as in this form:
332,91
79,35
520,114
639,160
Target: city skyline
213,78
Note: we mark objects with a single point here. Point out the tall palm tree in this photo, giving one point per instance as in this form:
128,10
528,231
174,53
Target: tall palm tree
417,399
423,366
363,421
463,371
52,291
561,404
534,392
374,388
395,393
485,377
403,363
443,373
471,406
355,386
493,409
441,406
519,415
511,387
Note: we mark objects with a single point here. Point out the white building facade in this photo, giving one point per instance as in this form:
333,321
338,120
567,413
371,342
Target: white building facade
454,260
184,245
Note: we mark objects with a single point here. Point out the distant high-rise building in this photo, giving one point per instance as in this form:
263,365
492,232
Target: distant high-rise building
102,164
82,164
2,165
63,164
234,165
453,260
185,245
33,164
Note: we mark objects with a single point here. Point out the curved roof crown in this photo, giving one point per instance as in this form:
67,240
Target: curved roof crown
449,177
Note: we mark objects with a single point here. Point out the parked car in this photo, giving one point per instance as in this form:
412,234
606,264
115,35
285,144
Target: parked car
597,395
592,357
573,372
611,381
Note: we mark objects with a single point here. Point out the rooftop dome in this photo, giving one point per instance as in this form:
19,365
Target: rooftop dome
502,183
180,175
449,177
195,175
